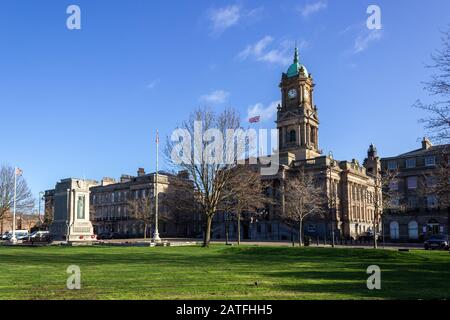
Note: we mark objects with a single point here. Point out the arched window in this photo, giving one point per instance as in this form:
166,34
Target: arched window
394,230
413,230
292,136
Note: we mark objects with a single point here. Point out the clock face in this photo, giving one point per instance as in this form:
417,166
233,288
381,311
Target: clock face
292,93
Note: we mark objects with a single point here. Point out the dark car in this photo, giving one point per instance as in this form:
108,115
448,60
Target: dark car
39,237
437,242
104,236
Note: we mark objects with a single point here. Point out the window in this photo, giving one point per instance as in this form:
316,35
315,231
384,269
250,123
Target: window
394,230
412,182
395,202
393,185
430,161
413,230
411,163
431,201
392,165
292,137
412,202
311,228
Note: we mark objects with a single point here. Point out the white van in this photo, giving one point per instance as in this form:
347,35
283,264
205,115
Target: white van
20,235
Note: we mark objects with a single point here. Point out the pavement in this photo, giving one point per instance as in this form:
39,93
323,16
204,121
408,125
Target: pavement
178,241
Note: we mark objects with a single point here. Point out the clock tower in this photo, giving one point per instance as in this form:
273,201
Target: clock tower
297,118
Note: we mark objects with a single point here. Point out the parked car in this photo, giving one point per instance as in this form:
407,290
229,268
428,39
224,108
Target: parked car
40,236
368,236
437,242
20,235
104,236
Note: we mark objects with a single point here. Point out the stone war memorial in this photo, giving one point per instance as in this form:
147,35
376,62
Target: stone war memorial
71,221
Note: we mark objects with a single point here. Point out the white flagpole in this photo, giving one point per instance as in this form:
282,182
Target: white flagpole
13,238
156,237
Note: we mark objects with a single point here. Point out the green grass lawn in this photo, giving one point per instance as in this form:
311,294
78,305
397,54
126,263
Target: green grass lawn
221,273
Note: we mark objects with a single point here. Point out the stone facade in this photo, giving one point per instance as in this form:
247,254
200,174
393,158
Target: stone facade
71,214
419,214
110,207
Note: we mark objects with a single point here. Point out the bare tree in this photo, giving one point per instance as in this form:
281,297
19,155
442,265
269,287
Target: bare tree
141,209
438,122
24,197
207,161
303,198
437,182
28,221
245,193
386,197
180,200
441,187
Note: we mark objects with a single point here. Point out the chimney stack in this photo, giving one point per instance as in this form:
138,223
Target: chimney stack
141,172
426,144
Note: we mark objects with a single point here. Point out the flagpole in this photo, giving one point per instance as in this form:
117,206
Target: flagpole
13,238
156,237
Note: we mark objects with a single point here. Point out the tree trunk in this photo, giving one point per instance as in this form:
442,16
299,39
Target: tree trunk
238,228
300,233
227,226
207,237
292,235
375,244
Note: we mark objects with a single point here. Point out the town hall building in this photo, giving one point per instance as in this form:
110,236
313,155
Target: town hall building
349,185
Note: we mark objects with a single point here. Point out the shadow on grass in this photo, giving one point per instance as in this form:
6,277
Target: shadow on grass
310,271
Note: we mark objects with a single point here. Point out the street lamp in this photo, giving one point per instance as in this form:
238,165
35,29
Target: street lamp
41,197
330,155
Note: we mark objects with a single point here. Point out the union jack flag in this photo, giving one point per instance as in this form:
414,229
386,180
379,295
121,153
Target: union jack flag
254,119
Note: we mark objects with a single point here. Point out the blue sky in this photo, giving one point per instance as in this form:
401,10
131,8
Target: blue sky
87,102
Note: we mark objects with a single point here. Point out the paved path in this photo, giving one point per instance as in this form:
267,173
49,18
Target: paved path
392,246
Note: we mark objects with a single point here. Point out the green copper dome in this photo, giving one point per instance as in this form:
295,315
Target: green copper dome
296,68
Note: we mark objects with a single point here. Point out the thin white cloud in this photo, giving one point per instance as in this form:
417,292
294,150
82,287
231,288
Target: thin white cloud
255,49
260,51
153,84
311,8
215,97
364,39
265,112
224,18
276,56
